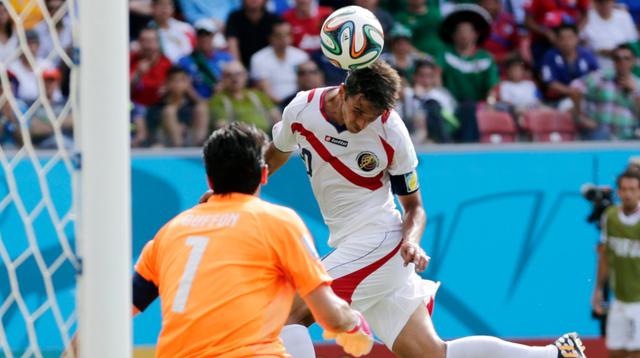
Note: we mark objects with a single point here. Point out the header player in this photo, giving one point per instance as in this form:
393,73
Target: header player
358,154
227,270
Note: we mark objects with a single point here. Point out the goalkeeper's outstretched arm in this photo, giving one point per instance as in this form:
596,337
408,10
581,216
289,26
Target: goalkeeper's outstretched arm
347,326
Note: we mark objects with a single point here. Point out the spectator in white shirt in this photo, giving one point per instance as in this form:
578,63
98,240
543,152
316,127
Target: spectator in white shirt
26,74
607,27
177,38
62,26
517,93
8,38
274,67
517,89
435,102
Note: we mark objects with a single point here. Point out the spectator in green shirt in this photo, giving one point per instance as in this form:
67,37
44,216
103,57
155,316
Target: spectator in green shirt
236,102
607,102
468,72
635,47
423,18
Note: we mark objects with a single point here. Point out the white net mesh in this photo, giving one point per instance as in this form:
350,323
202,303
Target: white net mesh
38,263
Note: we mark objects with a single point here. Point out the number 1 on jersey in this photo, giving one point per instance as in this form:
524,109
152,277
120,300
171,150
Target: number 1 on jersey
198,245
306,157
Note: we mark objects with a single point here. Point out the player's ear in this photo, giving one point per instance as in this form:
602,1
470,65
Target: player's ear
265,175
210,183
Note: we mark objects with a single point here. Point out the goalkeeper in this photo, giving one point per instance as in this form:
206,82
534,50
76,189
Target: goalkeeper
227,270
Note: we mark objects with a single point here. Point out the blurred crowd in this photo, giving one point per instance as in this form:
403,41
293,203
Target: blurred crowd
473,71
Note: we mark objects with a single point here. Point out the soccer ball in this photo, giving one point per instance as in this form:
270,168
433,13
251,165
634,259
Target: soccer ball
352,37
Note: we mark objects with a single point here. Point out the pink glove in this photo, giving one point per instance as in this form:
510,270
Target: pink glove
358,341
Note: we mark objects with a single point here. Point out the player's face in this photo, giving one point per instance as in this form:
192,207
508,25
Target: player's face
204,42
178,83
163,9
567,40
624,61
629,192
358,113
281,36
465,34
149,44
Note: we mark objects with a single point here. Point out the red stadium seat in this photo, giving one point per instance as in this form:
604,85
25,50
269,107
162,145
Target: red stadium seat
496,127
548,125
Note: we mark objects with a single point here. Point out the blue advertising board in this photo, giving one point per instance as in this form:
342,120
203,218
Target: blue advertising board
506,234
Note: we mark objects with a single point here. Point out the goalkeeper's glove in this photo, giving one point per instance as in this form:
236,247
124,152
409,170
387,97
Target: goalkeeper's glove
358,341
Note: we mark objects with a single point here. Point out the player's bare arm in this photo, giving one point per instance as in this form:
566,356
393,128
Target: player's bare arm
413,223
601,279
330,312
275,158
347,326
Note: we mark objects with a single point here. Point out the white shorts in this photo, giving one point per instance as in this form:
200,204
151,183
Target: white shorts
369,273
623,326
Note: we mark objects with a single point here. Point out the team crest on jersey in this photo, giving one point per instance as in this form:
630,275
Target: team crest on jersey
336,141
367,161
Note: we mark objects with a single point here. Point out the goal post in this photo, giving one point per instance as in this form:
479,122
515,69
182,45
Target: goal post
104,221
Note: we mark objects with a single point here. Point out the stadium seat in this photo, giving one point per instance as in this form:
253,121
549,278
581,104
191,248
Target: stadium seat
496,127
548,125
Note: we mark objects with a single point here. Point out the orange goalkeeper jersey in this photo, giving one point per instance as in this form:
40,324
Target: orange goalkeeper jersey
226,273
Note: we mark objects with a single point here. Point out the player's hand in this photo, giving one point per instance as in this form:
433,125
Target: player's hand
596,302
207,194
358,341
413,253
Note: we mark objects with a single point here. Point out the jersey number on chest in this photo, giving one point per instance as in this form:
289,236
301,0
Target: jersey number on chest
306,157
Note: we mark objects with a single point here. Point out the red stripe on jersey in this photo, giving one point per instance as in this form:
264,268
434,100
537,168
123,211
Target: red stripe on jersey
389,150
344,286
385,116
371,183
324,114
310,96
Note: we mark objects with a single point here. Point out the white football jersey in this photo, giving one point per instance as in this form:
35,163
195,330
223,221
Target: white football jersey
349,172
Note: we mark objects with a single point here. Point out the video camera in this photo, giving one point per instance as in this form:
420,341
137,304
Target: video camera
601,197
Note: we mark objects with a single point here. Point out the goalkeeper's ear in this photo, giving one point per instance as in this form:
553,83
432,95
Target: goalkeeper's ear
265,175
210,183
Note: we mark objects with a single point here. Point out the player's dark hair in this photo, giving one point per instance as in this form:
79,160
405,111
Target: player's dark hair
276,23
515,60
174,70
628,174
233,158
624,47
566,26
426,63
379,84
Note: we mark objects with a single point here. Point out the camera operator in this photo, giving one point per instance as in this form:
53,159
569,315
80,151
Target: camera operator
619,262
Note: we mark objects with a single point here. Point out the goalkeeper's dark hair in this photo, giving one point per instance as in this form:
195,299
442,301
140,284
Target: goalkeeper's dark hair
630,173
379,84
233,158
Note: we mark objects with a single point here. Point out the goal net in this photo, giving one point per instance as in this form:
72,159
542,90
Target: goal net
48,148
